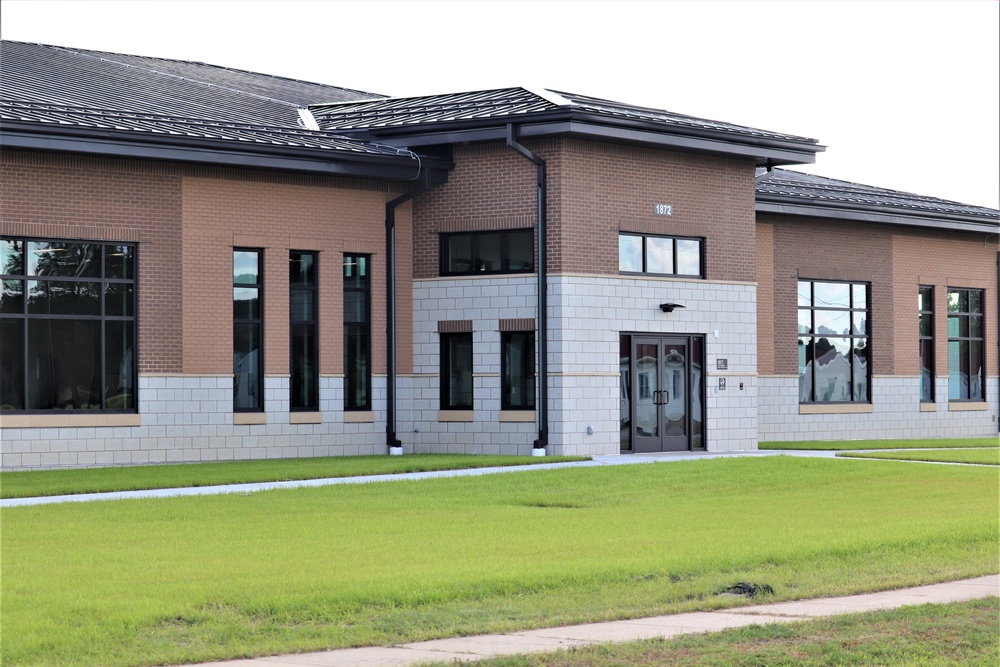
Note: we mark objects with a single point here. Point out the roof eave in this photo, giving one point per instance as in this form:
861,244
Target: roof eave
764,151
14,134
877,215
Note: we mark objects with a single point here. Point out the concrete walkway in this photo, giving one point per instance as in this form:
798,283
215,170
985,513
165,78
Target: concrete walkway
468,649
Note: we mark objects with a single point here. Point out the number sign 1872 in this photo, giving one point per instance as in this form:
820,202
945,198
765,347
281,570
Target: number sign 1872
663,209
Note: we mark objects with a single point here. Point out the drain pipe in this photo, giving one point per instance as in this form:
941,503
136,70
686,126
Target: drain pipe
541,444
392,442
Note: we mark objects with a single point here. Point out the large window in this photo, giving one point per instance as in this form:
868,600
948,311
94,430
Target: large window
248,330
926,338
456,371
661,255
303,306
966,365
357,333
517,367
834,344
476,253
67,326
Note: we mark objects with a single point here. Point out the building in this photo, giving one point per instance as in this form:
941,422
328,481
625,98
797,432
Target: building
201,263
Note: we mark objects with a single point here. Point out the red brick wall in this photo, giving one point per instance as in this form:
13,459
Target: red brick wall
595,191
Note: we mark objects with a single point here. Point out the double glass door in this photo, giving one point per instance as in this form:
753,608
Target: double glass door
662,393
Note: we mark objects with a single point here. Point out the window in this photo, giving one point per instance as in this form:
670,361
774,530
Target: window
476,253
661,255
926,341
357,333
517,359
966,379
248,330
67,326
304,331
456,371
833,342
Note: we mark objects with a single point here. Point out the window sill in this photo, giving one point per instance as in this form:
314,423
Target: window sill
69,420
517,415
456,415
928,407
360,417
249,418
305,417
836,408
968,406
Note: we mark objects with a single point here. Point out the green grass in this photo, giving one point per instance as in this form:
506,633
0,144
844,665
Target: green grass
33,483
962,633
147,582
979,456
882,444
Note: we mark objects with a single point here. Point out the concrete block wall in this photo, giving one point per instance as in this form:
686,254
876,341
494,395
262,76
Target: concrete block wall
897,413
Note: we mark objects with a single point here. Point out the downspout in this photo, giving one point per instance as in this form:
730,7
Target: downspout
391,440
543,322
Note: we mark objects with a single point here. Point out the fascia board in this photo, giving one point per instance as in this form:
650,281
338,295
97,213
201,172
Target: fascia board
930,221
402,168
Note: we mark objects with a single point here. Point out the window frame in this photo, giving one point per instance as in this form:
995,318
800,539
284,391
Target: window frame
981,339
926,338
447,338
351,400
103,280
311,290
248,322
528,360
813,335
674,255
474,243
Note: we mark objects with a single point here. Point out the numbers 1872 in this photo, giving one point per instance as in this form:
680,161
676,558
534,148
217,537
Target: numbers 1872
663,209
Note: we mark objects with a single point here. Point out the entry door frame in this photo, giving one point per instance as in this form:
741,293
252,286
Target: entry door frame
663,392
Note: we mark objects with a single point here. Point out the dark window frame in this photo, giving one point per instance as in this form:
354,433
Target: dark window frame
311,292
645,255
969,314
446,371
925,341
103,281
814,336
528,364
353,403
476,256
258,323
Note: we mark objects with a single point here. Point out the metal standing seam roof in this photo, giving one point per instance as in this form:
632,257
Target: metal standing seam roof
118,82
170,126
793,186
503,103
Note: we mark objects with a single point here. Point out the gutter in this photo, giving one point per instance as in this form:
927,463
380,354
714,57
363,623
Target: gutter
542,334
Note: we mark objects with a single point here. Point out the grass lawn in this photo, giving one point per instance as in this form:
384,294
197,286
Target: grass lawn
33,483
980,456
167,581
935,634
882,444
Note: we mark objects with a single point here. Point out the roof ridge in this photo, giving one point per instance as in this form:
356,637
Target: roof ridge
403,98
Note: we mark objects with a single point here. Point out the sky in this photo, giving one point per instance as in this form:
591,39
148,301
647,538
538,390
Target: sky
905,95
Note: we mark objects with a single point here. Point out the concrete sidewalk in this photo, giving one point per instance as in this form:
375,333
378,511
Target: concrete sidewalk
467,649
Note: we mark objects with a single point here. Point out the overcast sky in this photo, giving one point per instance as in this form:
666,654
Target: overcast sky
905,95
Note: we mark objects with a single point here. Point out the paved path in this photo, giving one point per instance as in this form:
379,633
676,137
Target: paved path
467,649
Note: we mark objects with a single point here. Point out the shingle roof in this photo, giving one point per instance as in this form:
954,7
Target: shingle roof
118,82
784,184
504,103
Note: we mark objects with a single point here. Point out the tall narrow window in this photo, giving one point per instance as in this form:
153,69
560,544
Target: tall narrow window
248,330
67,326
926,339
517,360
966,364
834,340
357,333
303,306
456,371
